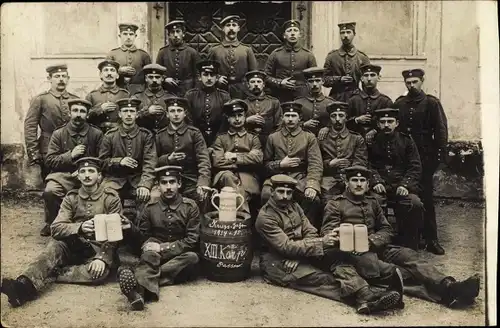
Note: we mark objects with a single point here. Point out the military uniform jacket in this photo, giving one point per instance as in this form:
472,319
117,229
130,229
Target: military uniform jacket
362,103
235,58
270,109
424,119
49,111
137,58
137,144
189,140
345,208
395,161
63,141
206,110
340,63
79,206
153,123
180,63
99,96
343,144
175,225
249,157
301,144
315,109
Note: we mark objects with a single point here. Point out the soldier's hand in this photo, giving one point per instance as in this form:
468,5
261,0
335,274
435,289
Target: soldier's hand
155,109
288,83
108,106
311,123
88,226
379,188
255,119
175,157
150,246
366,118
369,136
402,191
129,162
78,151
202,194
323,132
123,70
143,194
346,79
290,162
222,79
126,224
96,268
339,162
310,193
290,265
170,81
230,156
329,240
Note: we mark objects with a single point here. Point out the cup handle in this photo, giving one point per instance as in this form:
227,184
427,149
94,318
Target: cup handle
212,200
241,203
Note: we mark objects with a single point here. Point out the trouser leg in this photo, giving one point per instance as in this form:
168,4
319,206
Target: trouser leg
429,231
312,208
181,268
53,194
189,190
148,272
408,211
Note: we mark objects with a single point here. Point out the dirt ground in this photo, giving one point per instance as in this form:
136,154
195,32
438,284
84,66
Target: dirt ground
249,303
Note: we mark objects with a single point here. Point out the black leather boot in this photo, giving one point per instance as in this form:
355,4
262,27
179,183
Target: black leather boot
457,293
130,288
434,247
368,302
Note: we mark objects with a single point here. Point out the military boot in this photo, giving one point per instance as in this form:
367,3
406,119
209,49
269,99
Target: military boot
368,302
130,288
18,291
457,293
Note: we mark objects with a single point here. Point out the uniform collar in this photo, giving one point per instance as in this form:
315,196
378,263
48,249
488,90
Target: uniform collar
132,133
355,200
173,205
351,52
180,130
65,94
419,97
320,98
288,47
131,49
239,133
294,133
150,93
343,134
254,97
365,95
95,196
179,47
113,90
83,131
233,44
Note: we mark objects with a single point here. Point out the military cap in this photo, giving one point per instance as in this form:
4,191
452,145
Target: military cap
370,68
128,102
356,170
89,161
387,112
283,180
57,68
313,72
108,62
128,27
154,69
337,106
79,101
234,106
168,171
208,65
230,19
415,72
291,23
177,101
348,26
175,24
291,106
254,74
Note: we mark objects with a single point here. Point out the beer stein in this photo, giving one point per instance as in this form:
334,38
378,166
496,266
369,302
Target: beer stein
114,227
346,237
227,203
361,238
100,227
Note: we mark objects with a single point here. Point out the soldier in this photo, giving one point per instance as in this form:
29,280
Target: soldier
104,111
264,112
131,59
285,64
367,100
179,59
129,155
170,230
293,251
74,140
295,152
343,65
425,281
72,255
423,117
396,164
340,148
237,155
152,114
235,58
182,144
48,110
314,104
205,103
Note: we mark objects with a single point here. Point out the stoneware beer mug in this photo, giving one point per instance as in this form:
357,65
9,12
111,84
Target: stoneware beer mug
361,238
100,227
114,227
228,199
346,237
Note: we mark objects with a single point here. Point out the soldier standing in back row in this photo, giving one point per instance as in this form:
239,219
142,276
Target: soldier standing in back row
179,59
343,65
131,59
423,117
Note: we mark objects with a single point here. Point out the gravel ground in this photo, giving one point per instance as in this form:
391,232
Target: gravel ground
249,303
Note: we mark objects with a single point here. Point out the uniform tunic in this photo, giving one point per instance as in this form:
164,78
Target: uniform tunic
180,62
270,109
205,105
362,103
153,123
340,63
137,58
287,61
315,109
105,120
49,111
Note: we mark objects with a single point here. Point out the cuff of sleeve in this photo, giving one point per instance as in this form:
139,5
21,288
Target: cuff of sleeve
314,185
67,157
203,181
115,160
317,244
